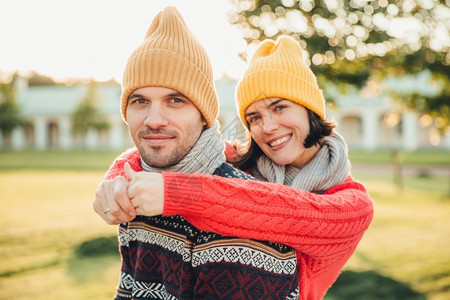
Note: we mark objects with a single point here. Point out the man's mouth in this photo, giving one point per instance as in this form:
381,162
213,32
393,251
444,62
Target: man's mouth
157,139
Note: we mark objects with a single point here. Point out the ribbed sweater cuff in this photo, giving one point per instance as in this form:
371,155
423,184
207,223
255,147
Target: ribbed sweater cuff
181,193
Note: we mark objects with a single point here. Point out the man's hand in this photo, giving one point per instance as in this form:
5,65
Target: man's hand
112,202
146,191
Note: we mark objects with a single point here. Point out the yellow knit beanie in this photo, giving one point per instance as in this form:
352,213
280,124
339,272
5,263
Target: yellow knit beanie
277,69
171,57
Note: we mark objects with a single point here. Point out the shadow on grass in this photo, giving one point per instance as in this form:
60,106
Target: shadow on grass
370,285
93,258
100,246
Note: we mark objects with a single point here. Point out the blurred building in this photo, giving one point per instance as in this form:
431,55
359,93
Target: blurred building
367,120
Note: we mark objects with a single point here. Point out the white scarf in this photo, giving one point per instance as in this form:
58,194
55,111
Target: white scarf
204,157
329,167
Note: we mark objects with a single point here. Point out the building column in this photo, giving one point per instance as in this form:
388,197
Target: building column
40,133
116,134
91,139
65,134
18,139
409,130
370,129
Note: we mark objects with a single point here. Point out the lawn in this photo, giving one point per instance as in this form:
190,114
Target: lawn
45,217
48,222
408,240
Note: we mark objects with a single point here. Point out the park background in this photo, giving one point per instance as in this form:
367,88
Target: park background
53,245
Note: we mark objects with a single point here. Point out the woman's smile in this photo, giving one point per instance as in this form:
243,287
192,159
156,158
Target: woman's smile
279,142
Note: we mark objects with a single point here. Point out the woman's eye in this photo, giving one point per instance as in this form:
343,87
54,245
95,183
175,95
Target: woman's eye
253,119
280,107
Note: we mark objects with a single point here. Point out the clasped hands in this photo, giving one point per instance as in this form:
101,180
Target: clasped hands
120,200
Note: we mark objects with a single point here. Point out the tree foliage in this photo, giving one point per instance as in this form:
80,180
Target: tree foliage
10,115
36,79
352,41
86,116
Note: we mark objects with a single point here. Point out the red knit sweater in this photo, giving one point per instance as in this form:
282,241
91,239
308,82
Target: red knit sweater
323,228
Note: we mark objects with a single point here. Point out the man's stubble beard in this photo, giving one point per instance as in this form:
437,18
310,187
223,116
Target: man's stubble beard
158,157
159,160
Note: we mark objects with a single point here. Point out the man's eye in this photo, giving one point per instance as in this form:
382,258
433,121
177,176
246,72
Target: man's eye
177,100
139,101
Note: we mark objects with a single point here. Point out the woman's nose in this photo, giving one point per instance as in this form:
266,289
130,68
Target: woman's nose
269,123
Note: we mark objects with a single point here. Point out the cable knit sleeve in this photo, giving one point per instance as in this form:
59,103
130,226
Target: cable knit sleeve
116,169
329,224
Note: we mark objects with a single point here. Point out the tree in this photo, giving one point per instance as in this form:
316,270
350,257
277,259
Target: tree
36,79
353,41
10,116
86,116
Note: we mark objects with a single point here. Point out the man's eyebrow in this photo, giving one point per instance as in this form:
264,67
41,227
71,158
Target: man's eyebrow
135,95
177,94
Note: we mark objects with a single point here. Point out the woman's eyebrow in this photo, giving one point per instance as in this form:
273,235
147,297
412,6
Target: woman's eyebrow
275,102
250,114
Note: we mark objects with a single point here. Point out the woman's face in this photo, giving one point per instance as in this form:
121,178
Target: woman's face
280,127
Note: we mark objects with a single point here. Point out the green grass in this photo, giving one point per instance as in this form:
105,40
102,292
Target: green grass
45,217
429,157
48,226
56,160
408,240
98,160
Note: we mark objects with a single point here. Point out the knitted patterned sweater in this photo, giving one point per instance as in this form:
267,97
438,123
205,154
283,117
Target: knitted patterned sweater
166,257
324,229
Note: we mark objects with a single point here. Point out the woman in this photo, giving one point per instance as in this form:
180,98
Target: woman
306,197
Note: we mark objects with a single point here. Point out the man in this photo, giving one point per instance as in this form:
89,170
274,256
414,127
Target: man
170,105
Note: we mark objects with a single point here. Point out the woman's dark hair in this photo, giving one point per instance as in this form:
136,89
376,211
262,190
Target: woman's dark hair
318,129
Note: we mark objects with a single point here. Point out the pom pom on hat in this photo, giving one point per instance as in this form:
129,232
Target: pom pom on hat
277,69
171,57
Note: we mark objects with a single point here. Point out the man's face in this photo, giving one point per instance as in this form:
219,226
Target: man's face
163,124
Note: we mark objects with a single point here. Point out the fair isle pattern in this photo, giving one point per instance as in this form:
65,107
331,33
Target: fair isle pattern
126,281
125,285
294,295
123,235
151,291
166,257
143,233
144,289
235,251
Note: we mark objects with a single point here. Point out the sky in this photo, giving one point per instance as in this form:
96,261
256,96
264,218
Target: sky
94,38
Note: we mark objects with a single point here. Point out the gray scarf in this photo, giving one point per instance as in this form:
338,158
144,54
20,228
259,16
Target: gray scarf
329,167
205,157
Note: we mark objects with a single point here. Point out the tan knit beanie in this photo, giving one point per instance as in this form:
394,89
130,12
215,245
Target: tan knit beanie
171,57
277,69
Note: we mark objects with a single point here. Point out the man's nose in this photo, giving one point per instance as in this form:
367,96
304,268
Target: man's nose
156,117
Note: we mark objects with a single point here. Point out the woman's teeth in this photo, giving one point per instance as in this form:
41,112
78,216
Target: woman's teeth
279,142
